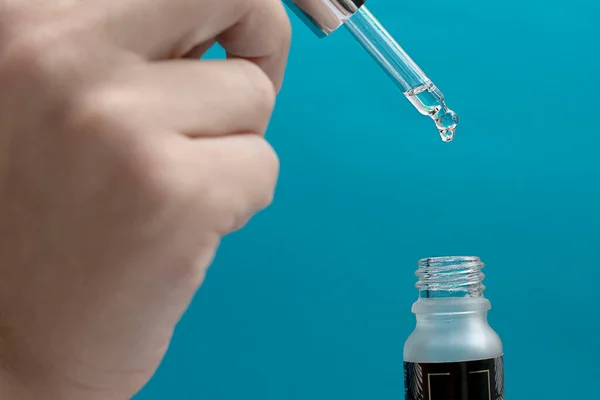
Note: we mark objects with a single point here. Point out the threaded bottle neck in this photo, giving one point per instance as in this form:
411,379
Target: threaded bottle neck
446,277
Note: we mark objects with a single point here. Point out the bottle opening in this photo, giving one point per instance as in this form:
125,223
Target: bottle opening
456,276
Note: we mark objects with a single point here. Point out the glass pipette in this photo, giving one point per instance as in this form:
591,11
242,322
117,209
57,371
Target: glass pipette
325,16
417,87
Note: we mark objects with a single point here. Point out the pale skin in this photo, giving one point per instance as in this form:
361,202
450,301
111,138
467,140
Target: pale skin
123,162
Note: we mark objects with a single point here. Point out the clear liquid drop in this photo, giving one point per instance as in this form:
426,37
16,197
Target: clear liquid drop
446,123
428,100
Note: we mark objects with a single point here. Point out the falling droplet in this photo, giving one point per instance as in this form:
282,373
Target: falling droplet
447,135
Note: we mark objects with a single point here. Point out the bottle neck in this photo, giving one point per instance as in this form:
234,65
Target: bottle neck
451,286
450,277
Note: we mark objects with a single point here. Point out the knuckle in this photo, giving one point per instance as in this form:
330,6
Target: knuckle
282,37
261,90
26,53
53,52
150,171
34,54
285,27
98,116
94,108
280,27
239,223
236,219
226,207
236,195
267,176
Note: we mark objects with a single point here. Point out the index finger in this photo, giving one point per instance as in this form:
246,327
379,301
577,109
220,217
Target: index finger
256,30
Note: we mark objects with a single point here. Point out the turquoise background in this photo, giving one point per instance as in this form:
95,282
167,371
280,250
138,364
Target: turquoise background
312,300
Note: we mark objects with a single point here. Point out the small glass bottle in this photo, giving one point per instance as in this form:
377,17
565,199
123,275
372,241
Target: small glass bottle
453,353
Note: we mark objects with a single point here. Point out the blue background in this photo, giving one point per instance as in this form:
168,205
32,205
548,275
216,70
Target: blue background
312,300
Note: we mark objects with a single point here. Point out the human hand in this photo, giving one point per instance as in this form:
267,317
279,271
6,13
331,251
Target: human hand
122,164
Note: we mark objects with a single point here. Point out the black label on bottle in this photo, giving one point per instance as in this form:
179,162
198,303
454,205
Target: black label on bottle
470,380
